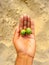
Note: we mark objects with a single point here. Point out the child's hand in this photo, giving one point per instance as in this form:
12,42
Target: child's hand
25,44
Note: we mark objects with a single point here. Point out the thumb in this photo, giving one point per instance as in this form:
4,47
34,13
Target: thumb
17,31
16,34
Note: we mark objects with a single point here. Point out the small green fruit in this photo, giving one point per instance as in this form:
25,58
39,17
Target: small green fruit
23,32
28,31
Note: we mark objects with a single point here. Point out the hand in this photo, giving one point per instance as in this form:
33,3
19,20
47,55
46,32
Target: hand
25,44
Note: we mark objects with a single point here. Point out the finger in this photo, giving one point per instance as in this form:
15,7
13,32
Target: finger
16,34
21,25
17,31
25,21
29,22
32,27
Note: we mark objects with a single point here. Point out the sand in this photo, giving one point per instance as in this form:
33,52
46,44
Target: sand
10,12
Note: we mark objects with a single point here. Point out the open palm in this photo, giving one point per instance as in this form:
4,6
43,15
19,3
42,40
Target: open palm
25,44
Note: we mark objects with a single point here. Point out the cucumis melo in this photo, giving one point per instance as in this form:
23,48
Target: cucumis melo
23,32
28,31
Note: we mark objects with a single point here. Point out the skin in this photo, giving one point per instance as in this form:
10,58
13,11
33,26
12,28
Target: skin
24,45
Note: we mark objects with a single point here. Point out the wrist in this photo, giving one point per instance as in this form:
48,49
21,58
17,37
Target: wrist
21,54
24,59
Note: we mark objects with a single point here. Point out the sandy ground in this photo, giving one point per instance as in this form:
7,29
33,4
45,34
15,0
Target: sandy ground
10,12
